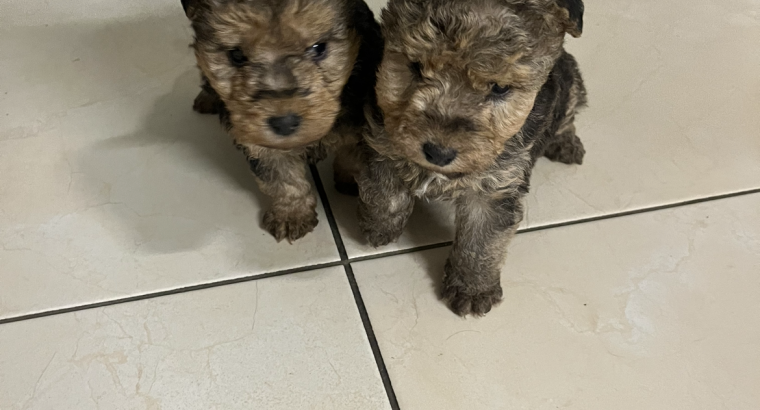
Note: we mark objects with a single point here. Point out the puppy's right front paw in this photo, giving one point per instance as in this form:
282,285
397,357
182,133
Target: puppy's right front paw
380,229
290,226
380,237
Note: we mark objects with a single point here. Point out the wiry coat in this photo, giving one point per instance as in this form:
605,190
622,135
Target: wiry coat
490,172
257,63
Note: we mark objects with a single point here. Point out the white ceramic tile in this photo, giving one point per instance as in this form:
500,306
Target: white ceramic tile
112,186
674,100
41,12
652,311
376,6
291,342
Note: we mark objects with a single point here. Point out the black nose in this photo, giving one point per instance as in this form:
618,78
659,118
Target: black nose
285,125
438,155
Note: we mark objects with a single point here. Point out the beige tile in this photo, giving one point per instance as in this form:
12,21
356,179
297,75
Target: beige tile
291,342
673,91
376,6
41,12
651,311
112,186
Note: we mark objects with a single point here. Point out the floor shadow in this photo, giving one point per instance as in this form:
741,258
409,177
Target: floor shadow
188,180
168,176
173,124
433,261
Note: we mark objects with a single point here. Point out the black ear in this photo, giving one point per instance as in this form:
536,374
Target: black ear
574,9
185,5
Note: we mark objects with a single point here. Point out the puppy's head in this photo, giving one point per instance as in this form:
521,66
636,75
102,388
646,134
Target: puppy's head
279,65
459,78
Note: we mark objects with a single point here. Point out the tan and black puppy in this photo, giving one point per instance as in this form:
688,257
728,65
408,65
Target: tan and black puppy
289,79
470,94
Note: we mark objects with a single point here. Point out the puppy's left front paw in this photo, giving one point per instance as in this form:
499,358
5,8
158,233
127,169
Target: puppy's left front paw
465,300
290,227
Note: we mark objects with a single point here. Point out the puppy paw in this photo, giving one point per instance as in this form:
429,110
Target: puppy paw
378,228
290,226
379,237
205,103
465,300
570,151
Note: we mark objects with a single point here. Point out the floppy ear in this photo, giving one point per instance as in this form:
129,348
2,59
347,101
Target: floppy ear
573,17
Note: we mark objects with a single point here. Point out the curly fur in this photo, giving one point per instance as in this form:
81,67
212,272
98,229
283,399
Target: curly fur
442,59
279,76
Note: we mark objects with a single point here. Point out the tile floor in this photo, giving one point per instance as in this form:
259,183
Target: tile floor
134,273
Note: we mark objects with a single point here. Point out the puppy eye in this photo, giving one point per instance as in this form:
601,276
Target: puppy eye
318,51
416,69
237,57
499,91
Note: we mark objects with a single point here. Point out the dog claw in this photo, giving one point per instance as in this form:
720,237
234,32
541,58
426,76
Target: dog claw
291,228
477,303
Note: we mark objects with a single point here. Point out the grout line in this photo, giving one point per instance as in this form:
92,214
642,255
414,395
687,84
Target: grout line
372,338
328,212
345,261
170,292
566,223
401,252
640,211
355,290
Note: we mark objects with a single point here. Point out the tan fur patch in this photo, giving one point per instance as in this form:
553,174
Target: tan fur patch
281,76
460,60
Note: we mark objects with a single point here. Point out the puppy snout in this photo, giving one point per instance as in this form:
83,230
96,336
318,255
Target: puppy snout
285,125
438,155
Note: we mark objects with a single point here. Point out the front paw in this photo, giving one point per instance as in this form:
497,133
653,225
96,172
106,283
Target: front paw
378,229
377,236
464,298
290,226
569,151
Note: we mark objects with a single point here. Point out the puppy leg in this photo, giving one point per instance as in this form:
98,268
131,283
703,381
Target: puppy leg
283,177
485,225
347,167
566,148
207,101
385,204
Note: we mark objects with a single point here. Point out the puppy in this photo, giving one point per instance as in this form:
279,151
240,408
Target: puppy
289,79
469,95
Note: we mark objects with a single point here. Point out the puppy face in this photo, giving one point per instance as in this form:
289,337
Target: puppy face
279,66
459,78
